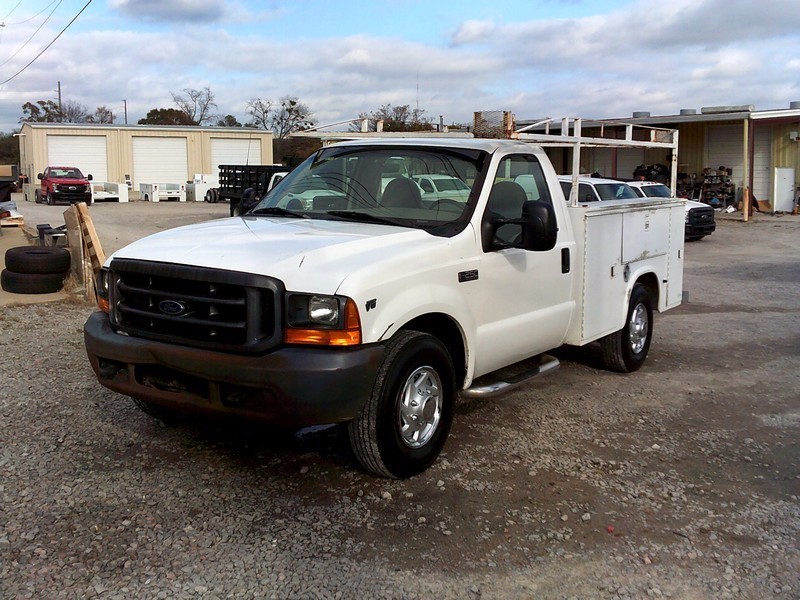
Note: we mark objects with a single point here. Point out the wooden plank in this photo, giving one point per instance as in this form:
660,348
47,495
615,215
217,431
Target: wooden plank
90,240
75,244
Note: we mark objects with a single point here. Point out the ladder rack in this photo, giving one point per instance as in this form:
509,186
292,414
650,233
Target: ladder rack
658,137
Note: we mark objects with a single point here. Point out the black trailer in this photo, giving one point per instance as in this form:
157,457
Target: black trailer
9,178
235,179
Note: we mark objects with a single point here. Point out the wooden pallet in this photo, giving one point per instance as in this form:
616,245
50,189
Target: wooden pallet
85,246
13,222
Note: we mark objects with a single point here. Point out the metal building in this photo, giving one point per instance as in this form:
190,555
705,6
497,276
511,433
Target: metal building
139,153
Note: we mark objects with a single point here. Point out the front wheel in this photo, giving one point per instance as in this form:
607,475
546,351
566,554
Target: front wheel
625,350
49,199
404,424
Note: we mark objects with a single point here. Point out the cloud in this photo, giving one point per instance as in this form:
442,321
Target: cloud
167,11
649,55
473,31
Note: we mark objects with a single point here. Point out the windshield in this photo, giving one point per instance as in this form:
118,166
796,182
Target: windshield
614,191
656,191
70,173
380,184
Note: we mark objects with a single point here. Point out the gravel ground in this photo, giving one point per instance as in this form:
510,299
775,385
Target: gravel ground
679,481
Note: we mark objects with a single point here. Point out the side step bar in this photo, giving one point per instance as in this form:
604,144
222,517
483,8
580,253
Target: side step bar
506,379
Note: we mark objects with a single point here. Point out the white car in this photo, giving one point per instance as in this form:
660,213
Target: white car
442,187
594,189
700,220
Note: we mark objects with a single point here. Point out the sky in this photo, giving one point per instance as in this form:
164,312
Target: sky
536,58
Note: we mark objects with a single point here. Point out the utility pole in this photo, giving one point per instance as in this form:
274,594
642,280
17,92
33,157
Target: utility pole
125,104
59,98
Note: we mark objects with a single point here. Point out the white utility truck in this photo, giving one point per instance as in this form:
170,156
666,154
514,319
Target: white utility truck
338,299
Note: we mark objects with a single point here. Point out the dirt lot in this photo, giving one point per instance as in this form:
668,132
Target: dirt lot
681,480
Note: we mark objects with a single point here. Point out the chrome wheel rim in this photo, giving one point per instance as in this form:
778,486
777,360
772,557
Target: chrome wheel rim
420,407
638,328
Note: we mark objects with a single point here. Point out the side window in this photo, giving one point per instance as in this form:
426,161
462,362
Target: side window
425,185
566,188
525,171
519,179
586,193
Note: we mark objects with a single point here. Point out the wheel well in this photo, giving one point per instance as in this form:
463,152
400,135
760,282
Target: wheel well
650,281
445,329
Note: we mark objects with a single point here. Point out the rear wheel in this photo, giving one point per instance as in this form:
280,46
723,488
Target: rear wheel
405,423
625,351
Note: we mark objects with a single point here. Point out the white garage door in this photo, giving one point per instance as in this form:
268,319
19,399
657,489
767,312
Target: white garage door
159,160
724,148
234,152
87,152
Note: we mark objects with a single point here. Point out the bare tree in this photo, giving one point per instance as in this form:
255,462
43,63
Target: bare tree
74,112
102,115
291,116
396,118
197,105
259,110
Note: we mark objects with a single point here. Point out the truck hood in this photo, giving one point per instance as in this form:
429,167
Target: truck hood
296,251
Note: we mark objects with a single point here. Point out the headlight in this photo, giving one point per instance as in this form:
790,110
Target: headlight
102,284
321,320
686,217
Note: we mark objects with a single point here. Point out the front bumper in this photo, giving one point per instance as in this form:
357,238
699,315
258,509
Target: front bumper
71,197
702,229
292,386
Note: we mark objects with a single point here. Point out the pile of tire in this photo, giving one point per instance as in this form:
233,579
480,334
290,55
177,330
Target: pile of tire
35,269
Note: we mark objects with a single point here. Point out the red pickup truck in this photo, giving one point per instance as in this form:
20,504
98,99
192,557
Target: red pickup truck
63,184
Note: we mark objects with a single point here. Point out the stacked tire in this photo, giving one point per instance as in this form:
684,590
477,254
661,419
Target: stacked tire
35,269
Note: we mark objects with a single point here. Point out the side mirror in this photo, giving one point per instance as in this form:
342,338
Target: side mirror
40,176
536,230
89,177
539,226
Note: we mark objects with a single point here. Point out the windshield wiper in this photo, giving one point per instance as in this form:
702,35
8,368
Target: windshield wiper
278,211
354,215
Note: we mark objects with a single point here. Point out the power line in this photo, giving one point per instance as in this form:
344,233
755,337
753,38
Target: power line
32,35
12,11
36,15
80,12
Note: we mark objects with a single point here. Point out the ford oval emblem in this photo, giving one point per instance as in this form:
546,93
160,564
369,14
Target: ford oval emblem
173,308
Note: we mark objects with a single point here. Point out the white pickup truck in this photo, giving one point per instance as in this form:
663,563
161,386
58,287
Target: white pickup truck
374,307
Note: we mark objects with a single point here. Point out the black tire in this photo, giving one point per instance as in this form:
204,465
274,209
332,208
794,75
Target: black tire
49,199
37,197
31,283
37,260
208,195
413,360
214,192
236,209
626,350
